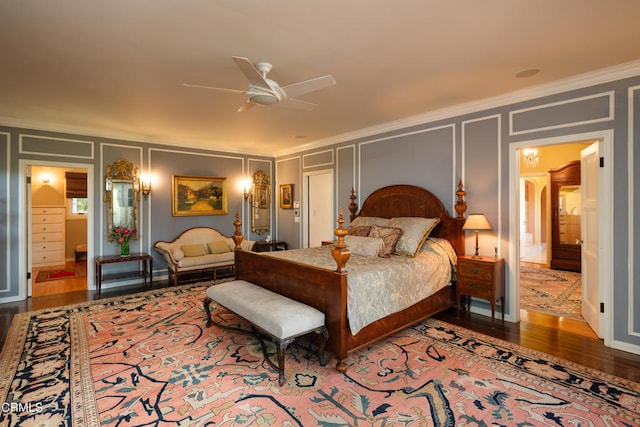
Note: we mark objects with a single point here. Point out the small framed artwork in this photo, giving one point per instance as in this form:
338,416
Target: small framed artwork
198,195
286,196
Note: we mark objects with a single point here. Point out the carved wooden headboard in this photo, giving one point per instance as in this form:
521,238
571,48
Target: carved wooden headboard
409,200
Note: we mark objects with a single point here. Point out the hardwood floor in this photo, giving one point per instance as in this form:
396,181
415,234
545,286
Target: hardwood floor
538,331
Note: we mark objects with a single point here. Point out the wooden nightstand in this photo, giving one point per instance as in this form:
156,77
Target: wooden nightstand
481,277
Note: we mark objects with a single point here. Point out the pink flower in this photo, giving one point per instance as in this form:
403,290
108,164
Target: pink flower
122,234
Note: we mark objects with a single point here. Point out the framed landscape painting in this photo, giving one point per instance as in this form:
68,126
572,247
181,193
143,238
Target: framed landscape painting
198,195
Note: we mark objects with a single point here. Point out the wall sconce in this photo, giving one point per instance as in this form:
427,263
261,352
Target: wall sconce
246,187
145,185
476,222
45,180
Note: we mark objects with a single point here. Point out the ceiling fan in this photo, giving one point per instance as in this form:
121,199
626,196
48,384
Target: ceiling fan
264,91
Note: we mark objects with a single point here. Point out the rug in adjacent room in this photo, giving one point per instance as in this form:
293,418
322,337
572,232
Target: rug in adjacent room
58,274
553,292
148,359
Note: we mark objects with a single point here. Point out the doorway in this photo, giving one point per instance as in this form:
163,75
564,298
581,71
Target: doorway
524,235
318,211
56,225
59,211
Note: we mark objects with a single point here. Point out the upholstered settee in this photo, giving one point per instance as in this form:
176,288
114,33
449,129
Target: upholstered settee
199,250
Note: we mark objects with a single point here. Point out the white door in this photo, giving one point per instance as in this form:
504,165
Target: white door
589,176
319,208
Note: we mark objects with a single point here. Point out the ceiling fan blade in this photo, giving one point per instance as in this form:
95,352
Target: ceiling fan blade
246,106
297,104
251,72
307,86
220,89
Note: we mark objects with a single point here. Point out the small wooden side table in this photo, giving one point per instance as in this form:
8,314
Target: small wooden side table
146,268
481,277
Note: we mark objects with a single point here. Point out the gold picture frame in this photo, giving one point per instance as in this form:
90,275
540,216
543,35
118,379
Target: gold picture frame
198,195
286,196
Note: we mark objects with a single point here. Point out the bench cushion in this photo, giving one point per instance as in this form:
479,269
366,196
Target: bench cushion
278,315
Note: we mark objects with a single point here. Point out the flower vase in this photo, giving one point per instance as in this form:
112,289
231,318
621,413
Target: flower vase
124,249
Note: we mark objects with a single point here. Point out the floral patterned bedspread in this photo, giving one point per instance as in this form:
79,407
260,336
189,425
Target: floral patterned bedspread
378,287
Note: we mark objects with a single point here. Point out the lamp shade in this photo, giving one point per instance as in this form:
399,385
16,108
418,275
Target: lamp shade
476,221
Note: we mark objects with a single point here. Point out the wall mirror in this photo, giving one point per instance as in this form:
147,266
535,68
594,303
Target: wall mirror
260,203
122,194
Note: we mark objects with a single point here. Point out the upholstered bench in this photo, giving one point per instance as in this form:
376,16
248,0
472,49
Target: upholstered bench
280,318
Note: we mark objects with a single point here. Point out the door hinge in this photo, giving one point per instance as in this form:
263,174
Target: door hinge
601,307
28,275
601,162
28,180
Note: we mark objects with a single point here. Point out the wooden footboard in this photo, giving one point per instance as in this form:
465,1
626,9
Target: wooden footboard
327,291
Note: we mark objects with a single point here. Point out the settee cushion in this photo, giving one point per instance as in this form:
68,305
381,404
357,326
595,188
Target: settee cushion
218,247
195,249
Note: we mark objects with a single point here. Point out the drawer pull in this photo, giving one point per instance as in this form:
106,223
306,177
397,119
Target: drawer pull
474,270
474,285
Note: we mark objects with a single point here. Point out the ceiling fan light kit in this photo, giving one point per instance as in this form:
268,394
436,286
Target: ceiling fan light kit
264,91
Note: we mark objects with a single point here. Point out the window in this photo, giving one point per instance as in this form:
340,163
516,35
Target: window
79,205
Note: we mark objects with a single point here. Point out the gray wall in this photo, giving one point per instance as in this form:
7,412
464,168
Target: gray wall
475,147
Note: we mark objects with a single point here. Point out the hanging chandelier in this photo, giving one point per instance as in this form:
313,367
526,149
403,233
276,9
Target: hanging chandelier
530,157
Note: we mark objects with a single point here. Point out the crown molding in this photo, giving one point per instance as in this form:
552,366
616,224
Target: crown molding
579,81
122,136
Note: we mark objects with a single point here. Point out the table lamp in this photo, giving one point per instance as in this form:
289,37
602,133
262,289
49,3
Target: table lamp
476,222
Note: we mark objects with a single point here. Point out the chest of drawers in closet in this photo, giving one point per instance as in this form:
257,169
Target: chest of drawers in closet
47,235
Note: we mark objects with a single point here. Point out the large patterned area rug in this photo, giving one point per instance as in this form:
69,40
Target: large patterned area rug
149,360
551,291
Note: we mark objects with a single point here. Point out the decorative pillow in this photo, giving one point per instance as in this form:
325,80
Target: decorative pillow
415,230
218,247
197,249
365,246
368,221
178,254
360,230
390,236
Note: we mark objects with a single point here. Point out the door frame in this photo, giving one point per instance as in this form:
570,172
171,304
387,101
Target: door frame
605,214
24,245
305,205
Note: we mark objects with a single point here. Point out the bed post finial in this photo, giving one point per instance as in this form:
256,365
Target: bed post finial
237,235
353,207
461,205
340,251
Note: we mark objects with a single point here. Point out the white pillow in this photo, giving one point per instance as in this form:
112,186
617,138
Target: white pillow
415,231
365,246
178,254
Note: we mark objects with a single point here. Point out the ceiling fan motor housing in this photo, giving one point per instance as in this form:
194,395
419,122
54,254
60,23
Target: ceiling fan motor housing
262,96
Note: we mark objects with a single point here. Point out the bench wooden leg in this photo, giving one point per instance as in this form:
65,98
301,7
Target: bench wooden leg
207,307
325,337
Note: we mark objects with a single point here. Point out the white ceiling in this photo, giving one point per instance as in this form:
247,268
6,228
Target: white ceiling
116,67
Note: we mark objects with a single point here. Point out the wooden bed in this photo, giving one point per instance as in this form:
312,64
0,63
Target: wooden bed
327,290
